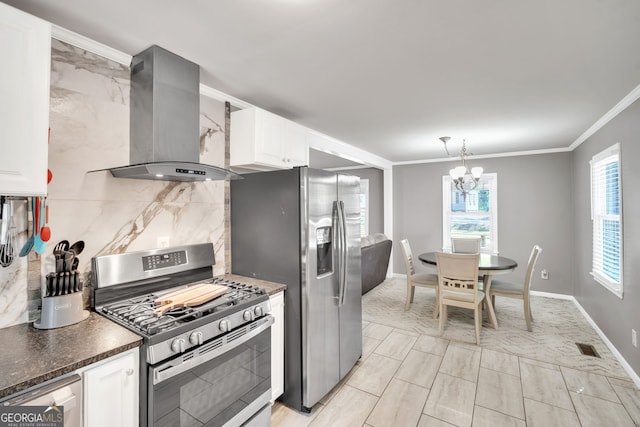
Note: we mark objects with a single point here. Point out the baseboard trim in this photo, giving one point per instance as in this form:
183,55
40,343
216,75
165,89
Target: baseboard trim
628,369
552,295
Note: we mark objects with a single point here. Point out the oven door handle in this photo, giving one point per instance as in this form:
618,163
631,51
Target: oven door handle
210,350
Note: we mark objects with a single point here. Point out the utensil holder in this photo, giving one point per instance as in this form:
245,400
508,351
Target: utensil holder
59,311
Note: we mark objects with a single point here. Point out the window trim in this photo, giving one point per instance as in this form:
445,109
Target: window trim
364,191
617,288
446,212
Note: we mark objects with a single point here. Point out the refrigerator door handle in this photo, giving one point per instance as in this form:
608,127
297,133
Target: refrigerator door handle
342,253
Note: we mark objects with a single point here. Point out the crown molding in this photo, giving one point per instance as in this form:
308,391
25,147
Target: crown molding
608,116
486,156
223,97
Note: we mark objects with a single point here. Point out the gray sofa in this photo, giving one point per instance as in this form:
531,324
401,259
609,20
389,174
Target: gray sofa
375,250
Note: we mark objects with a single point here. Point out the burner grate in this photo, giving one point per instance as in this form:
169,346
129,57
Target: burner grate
139,313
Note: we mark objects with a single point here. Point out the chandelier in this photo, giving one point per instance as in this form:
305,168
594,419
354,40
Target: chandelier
463,180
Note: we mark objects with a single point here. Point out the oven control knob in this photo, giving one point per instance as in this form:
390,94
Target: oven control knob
178,345
223,325
195,338
258,311
247,315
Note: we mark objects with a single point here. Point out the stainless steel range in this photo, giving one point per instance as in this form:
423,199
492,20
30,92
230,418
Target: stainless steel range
206,353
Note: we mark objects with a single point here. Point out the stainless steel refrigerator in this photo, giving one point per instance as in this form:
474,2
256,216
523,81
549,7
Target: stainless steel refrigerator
301,227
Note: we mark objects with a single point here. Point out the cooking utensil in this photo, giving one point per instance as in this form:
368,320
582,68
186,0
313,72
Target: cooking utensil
192,298
7,236
45,232
61,247
47,284
67,262
74,264
11,243
38,244
77,247
4,220
58,250
28,245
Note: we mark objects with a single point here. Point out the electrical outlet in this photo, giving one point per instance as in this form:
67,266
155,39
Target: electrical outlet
544,274
634,339
163,242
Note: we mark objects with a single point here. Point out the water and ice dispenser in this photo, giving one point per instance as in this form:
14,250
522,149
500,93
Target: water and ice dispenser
324,250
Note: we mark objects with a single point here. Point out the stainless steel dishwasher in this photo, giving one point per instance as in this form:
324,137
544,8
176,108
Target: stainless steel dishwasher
65,392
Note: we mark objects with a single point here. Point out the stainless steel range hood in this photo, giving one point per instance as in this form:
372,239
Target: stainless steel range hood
165,115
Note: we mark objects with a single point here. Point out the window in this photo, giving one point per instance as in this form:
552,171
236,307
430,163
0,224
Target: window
364,207
606,214
476,214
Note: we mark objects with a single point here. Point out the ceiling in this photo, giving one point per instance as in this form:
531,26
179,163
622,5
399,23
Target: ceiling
391,77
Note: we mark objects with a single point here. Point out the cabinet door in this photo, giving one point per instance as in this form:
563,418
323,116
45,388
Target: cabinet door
111,392
269,150
25,49
261,140
277,345
294,145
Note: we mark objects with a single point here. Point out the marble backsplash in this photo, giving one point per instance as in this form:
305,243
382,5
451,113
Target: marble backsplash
89,120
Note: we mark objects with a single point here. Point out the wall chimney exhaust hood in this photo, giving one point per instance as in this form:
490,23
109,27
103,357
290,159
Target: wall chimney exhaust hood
165,114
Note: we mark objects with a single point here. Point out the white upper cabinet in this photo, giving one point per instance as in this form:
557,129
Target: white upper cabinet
261,140
25,49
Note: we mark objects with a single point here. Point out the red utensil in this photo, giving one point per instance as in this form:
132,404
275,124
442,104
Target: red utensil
45,233
36,225
49,176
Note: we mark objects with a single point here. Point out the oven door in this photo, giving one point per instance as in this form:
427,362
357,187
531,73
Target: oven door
223,382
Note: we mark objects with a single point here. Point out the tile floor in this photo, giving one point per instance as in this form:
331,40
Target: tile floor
410,376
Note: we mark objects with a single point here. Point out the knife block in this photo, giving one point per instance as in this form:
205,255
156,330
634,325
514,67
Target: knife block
59,311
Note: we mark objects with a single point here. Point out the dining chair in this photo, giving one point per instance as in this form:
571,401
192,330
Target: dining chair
414,279
465,245
517,290
458,284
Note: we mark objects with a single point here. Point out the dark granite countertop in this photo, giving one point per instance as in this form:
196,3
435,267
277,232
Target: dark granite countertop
272,288
31,356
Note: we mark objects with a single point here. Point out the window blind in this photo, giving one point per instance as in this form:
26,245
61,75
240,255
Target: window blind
606,210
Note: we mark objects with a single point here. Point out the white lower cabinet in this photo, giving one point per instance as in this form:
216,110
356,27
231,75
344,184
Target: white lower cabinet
277,345
111,391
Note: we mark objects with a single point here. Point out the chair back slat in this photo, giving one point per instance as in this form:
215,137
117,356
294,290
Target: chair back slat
465,245
408,257
533,258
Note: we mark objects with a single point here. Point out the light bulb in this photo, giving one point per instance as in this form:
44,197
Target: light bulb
476,171
460,171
